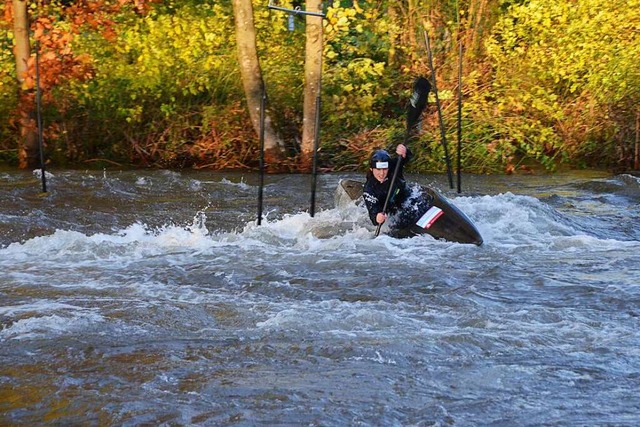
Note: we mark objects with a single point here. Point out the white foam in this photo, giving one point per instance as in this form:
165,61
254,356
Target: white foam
512,220
338,318
242,185
49,326
582,242
195,185
327,230
142,181
631,179
38,173
37,306
136,241
504,220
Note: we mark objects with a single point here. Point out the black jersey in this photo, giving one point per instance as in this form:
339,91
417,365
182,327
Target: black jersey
375,192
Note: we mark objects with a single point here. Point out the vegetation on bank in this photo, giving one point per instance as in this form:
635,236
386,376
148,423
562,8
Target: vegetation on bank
546,83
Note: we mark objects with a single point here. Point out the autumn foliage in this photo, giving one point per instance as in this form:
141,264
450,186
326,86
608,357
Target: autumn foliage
546,83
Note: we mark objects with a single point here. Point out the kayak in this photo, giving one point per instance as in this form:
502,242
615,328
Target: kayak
442,219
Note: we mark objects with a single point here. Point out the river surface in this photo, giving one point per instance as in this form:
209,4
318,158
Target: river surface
153,298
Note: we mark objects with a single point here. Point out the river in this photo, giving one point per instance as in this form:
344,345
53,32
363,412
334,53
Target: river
153,298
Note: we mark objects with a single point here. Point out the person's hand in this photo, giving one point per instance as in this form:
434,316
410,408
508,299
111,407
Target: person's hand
381,218
401,150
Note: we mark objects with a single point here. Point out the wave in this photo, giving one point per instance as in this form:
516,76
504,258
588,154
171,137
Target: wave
503,220
49,326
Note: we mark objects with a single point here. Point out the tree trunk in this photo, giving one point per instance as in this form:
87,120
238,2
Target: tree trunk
312,77
251,74
392,12
28,149
477,12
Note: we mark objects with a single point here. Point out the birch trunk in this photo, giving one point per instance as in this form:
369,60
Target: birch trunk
28,149
312,77
251,74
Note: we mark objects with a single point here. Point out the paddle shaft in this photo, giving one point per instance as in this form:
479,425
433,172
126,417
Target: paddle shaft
393,181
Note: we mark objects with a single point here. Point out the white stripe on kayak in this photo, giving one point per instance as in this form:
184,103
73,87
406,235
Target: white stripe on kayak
430,217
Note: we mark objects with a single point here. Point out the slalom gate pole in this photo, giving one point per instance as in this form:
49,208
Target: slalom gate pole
263,102
636,162
443,135
39,119
316,144
459,130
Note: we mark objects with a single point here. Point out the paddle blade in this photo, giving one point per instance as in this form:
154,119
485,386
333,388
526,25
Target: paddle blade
418,101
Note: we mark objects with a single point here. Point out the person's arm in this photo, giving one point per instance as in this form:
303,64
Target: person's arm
401,151
405,152
374,206
380,218
400,187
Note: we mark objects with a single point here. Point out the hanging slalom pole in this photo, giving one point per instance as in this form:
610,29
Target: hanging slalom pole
459,129
39,119
443,135
636,161
263,102
316,144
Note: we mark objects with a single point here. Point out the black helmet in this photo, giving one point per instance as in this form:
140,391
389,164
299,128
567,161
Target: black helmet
380,160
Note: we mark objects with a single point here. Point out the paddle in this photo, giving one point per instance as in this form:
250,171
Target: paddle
416,106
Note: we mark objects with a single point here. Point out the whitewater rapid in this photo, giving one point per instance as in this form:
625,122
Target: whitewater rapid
131,298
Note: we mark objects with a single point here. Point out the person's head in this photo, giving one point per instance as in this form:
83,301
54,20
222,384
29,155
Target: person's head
380,164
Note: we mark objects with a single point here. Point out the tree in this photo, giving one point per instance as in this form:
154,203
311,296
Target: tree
566,78
53,29
312,76
252,76
28,152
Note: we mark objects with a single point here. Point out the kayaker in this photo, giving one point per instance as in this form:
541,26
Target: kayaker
381,169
